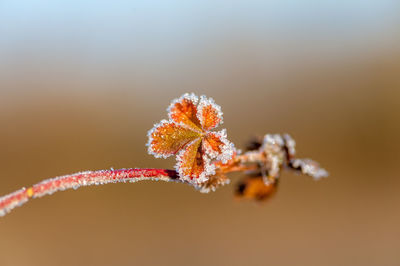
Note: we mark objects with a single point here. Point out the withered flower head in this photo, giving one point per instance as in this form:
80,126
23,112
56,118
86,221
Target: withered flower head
188,135
272,154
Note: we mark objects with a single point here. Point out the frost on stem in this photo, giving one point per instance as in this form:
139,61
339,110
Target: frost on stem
88,178
309,167
12,200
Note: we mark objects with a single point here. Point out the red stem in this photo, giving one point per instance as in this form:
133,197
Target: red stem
49,186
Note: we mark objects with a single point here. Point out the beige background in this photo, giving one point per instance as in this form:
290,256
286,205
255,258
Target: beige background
80,85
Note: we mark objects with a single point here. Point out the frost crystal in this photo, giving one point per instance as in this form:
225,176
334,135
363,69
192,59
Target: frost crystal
309,167
213,183
290,145
10,201
275,156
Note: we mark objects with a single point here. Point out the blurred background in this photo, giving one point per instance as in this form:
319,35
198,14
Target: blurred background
81,83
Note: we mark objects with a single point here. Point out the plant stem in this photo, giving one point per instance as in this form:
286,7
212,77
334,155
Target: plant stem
88,178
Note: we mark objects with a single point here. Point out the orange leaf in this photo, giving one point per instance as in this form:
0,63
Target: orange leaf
183,111
193,165
254,188
218,146
209,113
213,144
167,138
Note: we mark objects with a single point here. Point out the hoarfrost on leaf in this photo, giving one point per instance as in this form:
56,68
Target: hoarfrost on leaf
187,134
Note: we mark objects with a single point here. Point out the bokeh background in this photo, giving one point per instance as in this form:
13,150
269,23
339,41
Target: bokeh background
81,82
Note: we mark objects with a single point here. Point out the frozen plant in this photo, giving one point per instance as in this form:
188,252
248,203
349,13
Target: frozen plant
204,158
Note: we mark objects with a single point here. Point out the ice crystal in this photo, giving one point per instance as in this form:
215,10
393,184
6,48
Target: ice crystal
213,182
275,156
309,167
15,199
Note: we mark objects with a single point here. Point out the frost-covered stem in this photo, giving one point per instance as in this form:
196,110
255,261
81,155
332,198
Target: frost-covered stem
88,178
239,163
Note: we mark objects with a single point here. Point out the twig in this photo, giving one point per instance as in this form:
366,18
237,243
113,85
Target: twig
88,178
